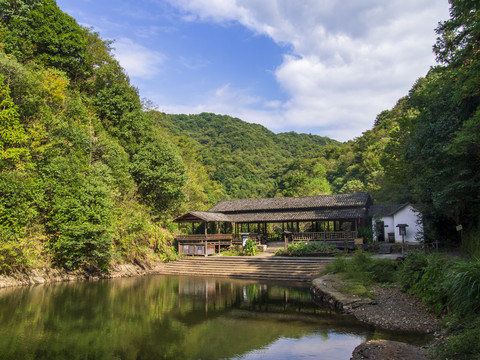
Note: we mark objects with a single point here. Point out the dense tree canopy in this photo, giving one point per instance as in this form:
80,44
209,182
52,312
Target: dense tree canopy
77,153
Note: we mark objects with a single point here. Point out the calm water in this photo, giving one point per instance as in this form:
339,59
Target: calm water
165,317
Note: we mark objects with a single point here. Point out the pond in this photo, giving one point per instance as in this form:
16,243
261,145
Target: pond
174,317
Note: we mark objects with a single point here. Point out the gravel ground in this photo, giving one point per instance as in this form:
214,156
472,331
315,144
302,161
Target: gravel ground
390,309
395,310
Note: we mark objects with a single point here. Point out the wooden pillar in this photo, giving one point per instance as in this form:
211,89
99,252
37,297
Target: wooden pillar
218,226
193,228
206,232
248,227
298,226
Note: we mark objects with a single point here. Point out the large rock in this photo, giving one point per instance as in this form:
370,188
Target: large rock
385,349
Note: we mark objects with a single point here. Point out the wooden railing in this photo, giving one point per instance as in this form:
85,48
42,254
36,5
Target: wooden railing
198,244
324,236
200,237
238,239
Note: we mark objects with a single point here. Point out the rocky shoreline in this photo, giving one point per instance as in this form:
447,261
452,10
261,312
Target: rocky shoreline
47,275
390,309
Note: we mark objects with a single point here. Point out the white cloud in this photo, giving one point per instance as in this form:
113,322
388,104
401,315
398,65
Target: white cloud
234,102
137,60
350,60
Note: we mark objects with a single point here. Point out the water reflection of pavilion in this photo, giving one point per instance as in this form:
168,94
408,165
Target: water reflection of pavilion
218,294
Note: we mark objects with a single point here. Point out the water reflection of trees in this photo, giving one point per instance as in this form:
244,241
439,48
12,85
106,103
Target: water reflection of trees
155,317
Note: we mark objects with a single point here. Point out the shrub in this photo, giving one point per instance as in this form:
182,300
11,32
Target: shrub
339,265
366,233
250,247
383,270
463,345
305,248
364,269
463,285
14,257
412,269
424,277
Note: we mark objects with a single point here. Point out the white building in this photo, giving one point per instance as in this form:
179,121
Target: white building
387,218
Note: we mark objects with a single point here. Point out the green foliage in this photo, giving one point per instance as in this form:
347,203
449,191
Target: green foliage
306,248
462,344
250,161
20,195
412,269
17,256
427,279
25,85
449,286
355,288
463,286
338,266
363,269
160,175
45,34
366,233
13,152
80,214
250,248
445,284
352,186
304,178
458,37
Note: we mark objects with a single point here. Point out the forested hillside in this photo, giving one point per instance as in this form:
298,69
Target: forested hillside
91,176
249,160
85,175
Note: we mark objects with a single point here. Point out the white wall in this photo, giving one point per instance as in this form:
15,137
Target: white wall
408,215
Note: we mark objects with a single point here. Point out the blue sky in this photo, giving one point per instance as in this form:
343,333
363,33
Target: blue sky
325,67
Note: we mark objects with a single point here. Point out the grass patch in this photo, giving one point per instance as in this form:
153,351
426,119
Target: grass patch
355,288
363,269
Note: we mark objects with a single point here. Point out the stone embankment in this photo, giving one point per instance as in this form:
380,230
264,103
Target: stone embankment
254,268
389,308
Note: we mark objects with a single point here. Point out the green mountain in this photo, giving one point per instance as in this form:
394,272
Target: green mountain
248,160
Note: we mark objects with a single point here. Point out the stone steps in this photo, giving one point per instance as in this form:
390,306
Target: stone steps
266,268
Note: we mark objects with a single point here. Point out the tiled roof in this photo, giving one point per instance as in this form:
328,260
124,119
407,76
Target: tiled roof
384,210
195,216
310,202
309,215
273,216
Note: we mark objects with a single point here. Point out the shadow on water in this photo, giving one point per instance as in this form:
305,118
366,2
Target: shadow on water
169,317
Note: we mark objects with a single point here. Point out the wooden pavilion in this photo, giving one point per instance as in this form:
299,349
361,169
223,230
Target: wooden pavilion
327,218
